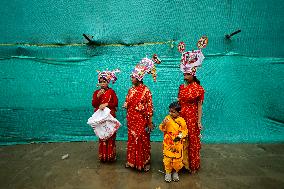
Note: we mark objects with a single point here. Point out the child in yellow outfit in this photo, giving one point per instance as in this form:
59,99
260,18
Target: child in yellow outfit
175,130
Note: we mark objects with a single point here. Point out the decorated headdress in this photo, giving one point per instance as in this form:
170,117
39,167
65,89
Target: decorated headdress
108,75
191,60
146,65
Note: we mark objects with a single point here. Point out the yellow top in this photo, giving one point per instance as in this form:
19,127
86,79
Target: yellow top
172,128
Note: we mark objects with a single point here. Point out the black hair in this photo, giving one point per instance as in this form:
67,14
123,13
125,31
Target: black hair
176,106
103,79
138,80
196,80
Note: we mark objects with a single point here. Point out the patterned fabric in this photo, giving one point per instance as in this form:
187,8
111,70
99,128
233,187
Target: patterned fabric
189,96
181,47
172,149
172,129
139,110
108,75
190,61
109,97
172,164
103,123
107,148
145,66
202,42
139,72
138,150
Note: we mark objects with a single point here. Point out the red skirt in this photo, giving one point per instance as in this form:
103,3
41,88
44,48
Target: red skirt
107,149
138,151
192,148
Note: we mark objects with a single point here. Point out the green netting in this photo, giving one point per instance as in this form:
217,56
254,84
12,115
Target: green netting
48,74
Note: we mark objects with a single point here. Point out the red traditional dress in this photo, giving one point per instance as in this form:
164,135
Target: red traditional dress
139,109
107,148
189,96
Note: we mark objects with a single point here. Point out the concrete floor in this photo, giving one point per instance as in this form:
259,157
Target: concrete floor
224,166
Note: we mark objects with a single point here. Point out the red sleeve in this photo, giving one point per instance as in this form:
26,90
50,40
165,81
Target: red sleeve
201,97
149,104
96,100
113,102
127,99
179,90
109,97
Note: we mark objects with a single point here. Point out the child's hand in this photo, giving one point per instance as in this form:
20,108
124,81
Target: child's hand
124,105
102,106
165,121
200,126
177,139
101,91
151,126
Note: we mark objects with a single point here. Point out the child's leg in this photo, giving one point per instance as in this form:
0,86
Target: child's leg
177,165
168,168
168,164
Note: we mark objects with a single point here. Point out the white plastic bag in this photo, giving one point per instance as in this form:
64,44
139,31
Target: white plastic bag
103,123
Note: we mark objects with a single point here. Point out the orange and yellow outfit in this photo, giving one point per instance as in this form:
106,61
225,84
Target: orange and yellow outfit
173,149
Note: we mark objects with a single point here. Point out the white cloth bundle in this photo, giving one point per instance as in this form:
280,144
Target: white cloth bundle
103,123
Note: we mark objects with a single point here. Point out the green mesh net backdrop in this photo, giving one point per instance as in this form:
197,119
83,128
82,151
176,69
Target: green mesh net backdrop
48,73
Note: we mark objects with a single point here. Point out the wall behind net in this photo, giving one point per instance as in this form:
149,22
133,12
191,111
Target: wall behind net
48,74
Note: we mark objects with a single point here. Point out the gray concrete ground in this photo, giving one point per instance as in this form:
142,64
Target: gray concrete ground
224,166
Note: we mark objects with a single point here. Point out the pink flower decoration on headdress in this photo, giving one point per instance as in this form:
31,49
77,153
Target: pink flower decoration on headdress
181,47
202,42
139,71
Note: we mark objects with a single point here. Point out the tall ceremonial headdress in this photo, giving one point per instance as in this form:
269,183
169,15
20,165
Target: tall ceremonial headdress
108,75
191,60
146,65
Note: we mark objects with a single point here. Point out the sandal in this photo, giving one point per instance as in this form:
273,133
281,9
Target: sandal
175,177
147,168
126,165
168,177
